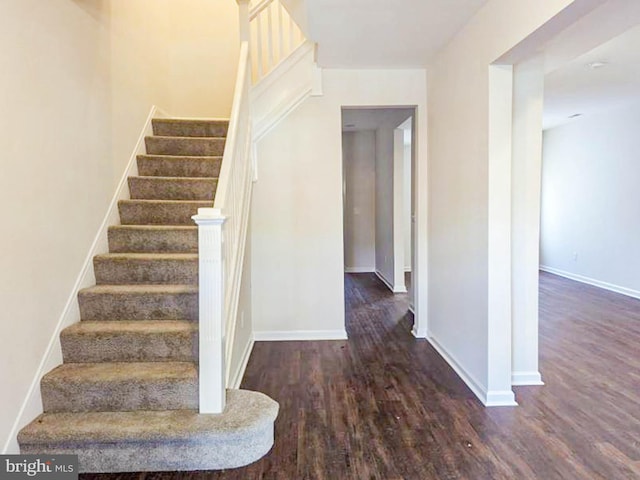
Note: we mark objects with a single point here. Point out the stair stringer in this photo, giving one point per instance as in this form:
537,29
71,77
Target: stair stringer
284,88
52,357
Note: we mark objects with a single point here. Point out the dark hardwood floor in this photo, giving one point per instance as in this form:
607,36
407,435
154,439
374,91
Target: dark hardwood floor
384,405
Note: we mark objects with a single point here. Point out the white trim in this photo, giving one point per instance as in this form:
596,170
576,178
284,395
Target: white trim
407,269
32,405
526,378
396,289
282,67
297,335
488,398
359,269
236,379
592,281
283,89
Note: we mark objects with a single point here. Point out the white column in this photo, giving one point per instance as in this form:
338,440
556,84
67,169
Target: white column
243,10
398,211
526,171
499,238
211,310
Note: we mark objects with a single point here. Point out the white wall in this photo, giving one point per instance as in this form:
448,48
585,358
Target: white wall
460,201
297,206
77,82
359,154
591,200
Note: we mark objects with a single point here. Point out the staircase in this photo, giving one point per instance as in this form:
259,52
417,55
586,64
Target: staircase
126,397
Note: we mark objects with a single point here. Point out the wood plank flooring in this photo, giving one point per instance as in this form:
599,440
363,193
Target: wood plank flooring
384,405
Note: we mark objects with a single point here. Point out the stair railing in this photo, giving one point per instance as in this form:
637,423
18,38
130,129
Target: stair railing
222,232
274,35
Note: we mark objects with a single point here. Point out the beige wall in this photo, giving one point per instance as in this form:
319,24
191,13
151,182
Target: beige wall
78,79
385,203
359,153
56,154
181,56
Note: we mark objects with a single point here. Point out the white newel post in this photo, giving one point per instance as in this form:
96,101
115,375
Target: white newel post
211,310
243,10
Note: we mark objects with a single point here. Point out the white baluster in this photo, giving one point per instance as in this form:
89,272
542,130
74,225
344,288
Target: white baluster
291,25
259,47
280,33
270,38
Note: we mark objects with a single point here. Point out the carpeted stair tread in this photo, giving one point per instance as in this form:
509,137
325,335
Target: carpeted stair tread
158,440
192,146
130,341
146,268
139,302
153,238
122,386
81,387
184,127
179,166
159,212
172,188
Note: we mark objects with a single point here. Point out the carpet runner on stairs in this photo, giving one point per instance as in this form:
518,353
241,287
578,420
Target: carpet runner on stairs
126,396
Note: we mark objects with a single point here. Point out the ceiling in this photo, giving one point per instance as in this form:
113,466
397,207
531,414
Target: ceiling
358,119
382,33
578,88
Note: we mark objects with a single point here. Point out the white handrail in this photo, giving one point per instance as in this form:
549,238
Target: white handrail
271,26
221,241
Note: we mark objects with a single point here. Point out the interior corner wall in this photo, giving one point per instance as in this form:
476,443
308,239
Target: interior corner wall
297,218
458,89
358,150
180,56
591,201
56,154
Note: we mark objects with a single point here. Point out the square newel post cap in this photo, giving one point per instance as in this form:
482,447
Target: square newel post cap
243,2
209,216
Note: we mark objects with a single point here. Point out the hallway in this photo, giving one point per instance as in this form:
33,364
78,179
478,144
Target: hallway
385,406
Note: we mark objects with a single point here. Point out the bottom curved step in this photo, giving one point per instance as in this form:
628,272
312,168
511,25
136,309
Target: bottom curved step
170,440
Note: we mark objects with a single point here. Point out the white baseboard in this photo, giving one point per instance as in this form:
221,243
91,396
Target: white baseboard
592,281
500,398
418,333
489,398
394,289
297,335
236,379
32,405
526,378
359,269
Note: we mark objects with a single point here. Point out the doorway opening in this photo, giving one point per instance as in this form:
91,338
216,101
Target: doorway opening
378,162
576,110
